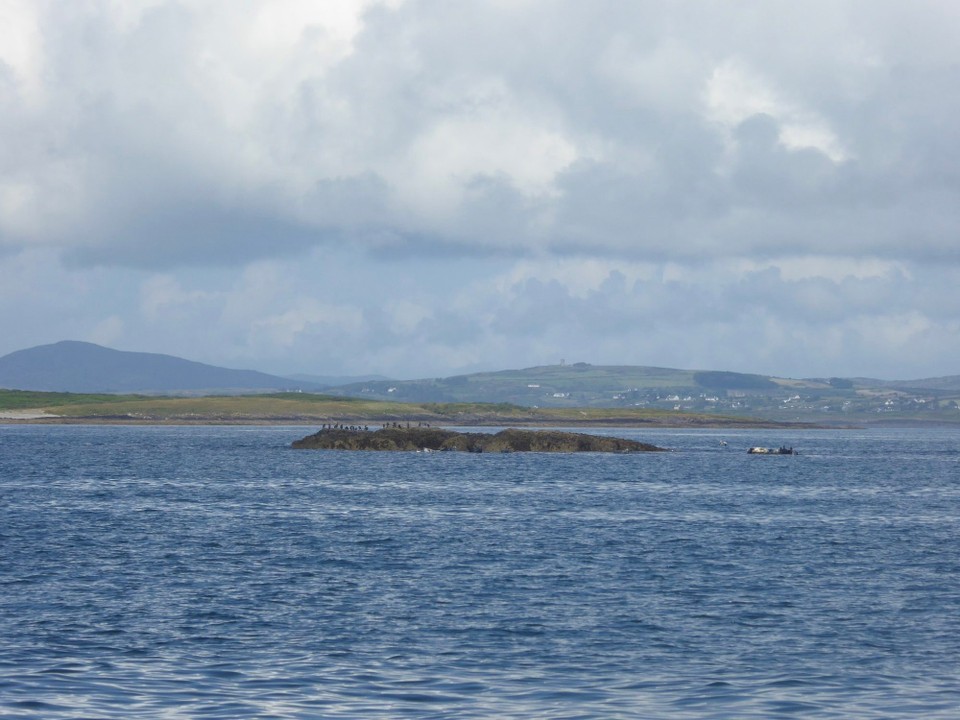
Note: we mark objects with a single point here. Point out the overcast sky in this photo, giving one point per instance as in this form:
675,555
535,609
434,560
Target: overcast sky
425,188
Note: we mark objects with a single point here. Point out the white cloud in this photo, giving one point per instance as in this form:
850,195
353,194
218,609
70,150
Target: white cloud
832,268
333,314
406,316
440,164
108,331
736,93
418,187
307,316
20,43
161,119
162,296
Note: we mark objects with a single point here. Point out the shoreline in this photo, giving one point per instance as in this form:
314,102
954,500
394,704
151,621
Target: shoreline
26,415
37,418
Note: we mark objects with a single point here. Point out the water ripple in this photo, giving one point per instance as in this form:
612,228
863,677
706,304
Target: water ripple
212,572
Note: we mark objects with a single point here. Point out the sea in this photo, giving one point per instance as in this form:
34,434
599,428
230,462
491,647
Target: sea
213,572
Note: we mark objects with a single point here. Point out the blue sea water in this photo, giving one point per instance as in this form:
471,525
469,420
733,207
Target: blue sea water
212,572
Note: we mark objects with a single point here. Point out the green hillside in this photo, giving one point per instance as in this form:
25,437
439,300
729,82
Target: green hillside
305,408
546,386
576,385
617,387
577,394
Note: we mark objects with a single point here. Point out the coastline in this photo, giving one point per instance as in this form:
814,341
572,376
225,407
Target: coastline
41,418
26,415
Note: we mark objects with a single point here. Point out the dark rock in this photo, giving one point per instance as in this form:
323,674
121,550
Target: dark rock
511,440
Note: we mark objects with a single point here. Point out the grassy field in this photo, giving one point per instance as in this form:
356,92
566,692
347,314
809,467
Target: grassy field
208,408
29,400
307,408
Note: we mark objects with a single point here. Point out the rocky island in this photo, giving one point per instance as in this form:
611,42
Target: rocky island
436,439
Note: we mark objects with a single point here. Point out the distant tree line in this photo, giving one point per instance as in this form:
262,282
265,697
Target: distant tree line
840,383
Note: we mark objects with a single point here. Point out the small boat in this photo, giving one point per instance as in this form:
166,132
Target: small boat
772,451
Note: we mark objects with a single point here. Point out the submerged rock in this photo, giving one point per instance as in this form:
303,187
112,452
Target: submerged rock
436,439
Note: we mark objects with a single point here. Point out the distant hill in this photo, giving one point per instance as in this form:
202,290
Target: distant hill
950,383
82,367
584,385
335,380
567,385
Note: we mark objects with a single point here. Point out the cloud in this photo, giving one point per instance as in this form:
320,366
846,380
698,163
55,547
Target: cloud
340,312
161,134
414,188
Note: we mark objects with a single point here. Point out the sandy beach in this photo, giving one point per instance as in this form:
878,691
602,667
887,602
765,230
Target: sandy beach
24,415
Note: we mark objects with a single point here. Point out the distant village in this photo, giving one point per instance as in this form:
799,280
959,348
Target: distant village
776,402
796,404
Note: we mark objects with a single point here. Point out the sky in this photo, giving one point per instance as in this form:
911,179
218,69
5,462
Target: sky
423,188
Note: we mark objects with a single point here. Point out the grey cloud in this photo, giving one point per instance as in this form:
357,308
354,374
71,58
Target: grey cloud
757,321
628,307
151,159
168,237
